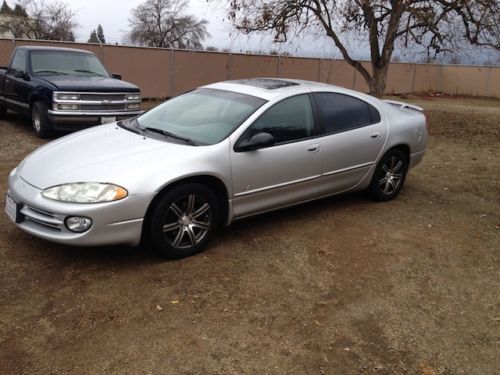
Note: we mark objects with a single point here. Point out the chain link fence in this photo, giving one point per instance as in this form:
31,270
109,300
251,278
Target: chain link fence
162,73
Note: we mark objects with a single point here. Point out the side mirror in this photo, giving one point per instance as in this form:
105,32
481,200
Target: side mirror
116,76
21,74
259,140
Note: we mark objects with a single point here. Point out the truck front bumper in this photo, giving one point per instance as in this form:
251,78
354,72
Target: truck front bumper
79,120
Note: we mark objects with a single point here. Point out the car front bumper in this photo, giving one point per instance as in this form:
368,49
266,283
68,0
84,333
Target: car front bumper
113,223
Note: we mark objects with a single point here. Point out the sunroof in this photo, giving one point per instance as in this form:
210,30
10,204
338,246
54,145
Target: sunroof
265,83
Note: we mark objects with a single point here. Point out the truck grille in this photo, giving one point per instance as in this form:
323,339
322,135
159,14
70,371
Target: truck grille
95,103
102,107
99,97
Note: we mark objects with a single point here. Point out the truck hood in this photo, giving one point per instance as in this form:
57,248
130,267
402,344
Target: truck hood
89,84
107,154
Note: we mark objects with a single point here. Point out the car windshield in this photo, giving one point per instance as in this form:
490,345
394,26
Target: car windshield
205,116
64,63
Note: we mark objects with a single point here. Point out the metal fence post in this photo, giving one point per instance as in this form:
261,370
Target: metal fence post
172,71
278,68
488,78
413,79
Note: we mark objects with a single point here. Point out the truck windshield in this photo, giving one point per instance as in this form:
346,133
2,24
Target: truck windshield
203,116
62,63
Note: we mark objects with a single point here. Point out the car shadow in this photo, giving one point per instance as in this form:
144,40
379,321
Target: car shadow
142,255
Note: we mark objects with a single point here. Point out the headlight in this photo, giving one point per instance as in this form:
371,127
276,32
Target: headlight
135,96
66,107
85,192
134,106
65,96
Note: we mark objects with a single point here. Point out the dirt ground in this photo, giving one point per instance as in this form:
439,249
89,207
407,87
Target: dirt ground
340,286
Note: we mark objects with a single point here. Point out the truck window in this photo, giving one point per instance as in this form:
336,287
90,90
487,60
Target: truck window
18,62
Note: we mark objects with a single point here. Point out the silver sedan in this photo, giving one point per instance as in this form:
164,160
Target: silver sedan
223,152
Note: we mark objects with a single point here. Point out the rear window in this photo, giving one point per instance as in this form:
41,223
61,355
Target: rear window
339,112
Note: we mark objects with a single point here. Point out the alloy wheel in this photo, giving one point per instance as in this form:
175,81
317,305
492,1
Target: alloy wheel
392,171
187,221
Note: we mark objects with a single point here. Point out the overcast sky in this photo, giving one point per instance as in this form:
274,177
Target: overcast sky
114,15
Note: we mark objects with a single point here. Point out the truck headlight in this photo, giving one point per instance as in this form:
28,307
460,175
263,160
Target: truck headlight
67,107
85,192
66,96
135,96
133,106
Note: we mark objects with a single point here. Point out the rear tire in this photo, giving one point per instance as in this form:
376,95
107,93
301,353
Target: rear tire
389,176
184,220
40,120
3,112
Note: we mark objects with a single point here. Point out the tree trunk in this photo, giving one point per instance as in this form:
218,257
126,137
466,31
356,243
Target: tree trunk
378,81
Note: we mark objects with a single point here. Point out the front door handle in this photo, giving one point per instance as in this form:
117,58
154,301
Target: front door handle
375,135
313,148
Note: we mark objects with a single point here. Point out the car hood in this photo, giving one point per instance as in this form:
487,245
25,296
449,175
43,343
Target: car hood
106,153
88,84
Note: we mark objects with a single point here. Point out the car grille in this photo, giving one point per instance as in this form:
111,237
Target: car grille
43,218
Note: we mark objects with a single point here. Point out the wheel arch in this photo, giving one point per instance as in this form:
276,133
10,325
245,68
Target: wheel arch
213,183
401,146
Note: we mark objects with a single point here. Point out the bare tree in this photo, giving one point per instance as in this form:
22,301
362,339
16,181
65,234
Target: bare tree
35,19
163,23
384,24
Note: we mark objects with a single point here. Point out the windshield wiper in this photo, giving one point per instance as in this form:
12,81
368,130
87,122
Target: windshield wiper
50,72
126,124
167,134
87,71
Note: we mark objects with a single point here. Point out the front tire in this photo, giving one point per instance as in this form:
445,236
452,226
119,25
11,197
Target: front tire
184,220
3,112
40,120
389,176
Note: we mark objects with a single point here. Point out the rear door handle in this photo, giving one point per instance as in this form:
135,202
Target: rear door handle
313,148
375,135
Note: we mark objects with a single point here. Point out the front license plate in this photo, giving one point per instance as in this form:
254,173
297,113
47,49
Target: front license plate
108,120
11,208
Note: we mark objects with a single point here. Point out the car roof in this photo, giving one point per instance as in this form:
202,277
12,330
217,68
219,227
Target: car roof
58,49
271,88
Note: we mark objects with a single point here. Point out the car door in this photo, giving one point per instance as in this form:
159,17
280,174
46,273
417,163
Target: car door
15,85
284,173
353,138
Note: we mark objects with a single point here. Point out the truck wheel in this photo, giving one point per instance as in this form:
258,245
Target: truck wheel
40,120
3,111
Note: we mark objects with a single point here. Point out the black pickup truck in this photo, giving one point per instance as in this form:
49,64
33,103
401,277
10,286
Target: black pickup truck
64,89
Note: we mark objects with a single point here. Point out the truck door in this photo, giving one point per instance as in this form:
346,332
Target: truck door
16,87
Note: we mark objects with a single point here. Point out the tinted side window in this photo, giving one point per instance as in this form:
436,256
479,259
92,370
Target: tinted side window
19,62
288,120
340,112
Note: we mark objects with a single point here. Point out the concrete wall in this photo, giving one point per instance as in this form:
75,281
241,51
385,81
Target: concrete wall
164,73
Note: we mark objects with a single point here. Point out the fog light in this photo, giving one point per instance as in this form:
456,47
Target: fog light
68,107
78,224
134,106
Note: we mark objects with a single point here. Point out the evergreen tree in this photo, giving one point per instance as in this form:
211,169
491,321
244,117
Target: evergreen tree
20,11
100,34
5,9
93,37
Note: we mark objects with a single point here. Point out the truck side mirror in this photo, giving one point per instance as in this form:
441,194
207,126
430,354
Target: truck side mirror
21,74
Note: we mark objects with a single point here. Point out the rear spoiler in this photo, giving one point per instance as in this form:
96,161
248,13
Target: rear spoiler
404,105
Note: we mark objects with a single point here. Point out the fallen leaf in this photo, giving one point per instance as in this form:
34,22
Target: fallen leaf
174,302
159,308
